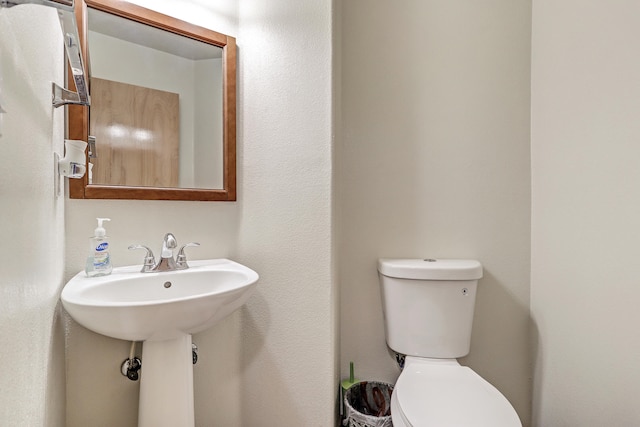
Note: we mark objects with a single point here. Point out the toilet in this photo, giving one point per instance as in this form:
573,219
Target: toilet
428,314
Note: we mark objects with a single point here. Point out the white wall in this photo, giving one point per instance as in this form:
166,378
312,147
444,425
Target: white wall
274,361
290,354
585,212
31,220
435,163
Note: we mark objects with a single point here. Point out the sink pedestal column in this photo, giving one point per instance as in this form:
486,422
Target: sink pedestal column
166,384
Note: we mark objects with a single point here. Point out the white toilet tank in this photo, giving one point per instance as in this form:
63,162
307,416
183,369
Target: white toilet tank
428,305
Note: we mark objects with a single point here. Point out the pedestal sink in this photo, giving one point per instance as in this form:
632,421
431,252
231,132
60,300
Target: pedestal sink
162,310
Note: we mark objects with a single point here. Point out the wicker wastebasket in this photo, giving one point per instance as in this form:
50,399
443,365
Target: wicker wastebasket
368,404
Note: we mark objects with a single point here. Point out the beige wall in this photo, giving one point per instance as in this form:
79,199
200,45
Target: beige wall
435,163
31,220
274,361
586,212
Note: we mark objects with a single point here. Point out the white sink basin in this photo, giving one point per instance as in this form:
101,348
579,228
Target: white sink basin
162,310
135,306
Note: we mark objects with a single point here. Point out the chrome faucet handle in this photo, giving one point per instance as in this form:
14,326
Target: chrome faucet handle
149,259
181,258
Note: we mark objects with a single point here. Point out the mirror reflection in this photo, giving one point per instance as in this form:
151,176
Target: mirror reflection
156,106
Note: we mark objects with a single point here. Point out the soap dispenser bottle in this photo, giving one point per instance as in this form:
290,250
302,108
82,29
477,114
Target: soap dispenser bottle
99,260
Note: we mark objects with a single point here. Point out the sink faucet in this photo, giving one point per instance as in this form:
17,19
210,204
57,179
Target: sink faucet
167,261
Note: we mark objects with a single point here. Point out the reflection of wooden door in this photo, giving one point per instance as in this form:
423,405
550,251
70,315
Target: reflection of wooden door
137,135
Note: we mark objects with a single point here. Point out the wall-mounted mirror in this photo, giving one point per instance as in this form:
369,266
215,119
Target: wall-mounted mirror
163,106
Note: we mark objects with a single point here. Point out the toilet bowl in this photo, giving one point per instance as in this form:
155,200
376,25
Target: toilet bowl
428,307
442,393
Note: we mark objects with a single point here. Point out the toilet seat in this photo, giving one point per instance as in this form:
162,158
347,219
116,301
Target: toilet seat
442,393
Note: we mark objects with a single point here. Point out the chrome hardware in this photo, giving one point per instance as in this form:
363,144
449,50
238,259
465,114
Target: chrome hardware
181,258
400,360
69,26
194,353
167,262
58,4
130,368
93,153
149,259
63,96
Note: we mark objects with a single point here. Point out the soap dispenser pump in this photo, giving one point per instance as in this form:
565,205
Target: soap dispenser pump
99,260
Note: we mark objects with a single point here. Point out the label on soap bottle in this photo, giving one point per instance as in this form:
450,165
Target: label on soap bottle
101,256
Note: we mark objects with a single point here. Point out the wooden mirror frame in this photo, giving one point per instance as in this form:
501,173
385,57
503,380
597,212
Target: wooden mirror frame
78,116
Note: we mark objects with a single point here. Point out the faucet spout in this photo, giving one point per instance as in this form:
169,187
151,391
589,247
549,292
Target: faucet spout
167,262
168,245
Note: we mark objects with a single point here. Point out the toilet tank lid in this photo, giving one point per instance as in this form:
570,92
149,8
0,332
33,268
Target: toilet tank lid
431,269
